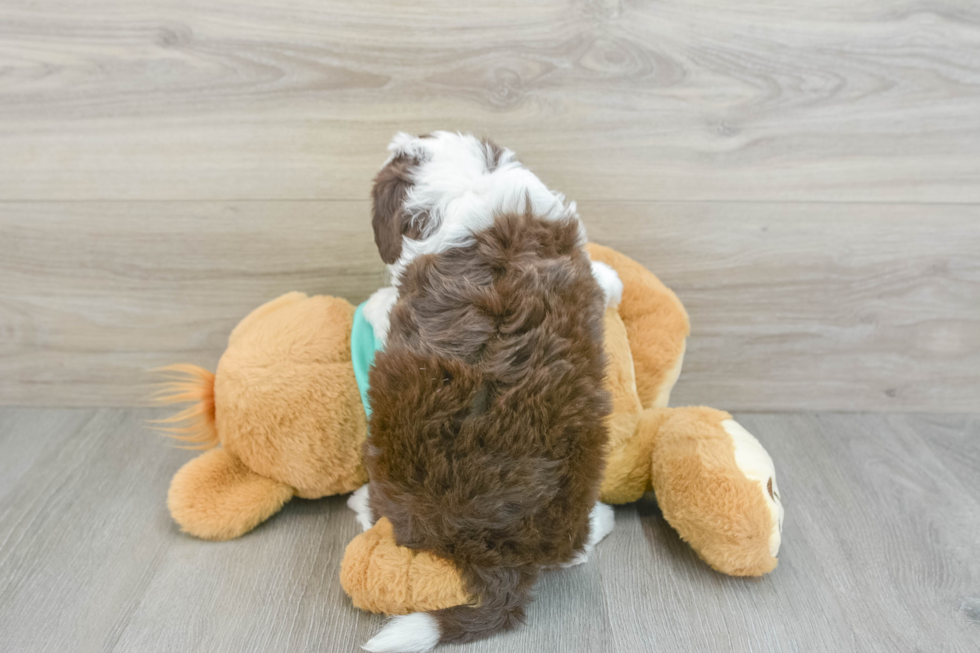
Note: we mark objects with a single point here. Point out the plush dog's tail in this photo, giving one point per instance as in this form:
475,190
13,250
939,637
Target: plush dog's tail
194,426
503,593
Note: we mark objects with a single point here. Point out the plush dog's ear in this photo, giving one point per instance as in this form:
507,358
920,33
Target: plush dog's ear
390,221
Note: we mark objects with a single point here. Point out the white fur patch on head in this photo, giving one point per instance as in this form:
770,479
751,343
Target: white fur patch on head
360,502
403,144
460,186
376,310
754,461
410,633
609,281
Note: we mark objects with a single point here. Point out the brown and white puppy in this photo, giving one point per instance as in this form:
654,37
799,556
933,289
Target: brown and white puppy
487,432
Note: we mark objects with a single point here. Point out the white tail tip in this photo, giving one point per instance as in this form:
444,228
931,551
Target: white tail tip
410,633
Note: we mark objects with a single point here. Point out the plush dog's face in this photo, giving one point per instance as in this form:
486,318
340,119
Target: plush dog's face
437,190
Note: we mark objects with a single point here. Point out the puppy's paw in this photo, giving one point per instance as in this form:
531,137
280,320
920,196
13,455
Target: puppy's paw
376,311
601,522
602,519
609,281
359,502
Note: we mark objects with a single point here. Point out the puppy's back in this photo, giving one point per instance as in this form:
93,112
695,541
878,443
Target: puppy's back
487,431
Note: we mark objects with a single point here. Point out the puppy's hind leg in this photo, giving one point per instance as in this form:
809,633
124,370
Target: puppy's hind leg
601,522
360,502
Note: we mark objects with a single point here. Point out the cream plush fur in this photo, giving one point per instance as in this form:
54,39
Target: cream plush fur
285,409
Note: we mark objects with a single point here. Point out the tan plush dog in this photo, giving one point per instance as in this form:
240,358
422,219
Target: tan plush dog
285,408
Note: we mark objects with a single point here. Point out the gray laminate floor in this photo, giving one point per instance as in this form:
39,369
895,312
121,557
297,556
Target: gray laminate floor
881,553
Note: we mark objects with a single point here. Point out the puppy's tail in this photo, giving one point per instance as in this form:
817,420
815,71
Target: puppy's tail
503,593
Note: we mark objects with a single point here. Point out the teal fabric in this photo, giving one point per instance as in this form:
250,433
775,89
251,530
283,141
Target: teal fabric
362,349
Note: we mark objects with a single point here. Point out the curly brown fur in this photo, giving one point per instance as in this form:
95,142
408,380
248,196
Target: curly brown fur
488,426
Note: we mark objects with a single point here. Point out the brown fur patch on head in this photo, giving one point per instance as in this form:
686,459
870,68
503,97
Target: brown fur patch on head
488,427
389,219
494,152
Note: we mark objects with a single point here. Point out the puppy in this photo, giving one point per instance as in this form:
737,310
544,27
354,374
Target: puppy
487,432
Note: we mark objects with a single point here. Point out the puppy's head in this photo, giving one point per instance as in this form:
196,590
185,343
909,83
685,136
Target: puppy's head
435,191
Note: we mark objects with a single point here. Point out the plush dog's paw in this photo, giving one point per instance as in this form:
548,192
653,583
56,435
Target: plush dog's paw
359,502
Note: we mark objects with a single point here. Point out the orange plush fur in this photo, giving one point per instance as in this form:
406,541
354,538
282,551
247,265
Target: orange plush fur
381,576
286,410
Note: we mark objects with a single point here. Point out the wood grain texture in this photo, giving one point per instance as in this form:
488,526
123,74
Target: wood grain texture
94,295
872,520
26,436
815,306
684,100
955,440
794,306
879,554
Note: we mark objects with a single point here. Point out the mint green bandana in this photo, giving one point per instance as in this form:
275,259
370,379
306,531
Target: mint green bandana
363,346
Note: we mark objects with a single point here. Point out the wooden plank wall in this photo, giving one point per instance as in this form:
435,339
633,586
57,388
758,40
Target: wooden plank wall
805,175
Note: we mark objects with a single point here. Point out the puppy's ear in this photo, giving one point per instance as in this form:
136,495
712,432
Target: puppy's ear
390,221
493,154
